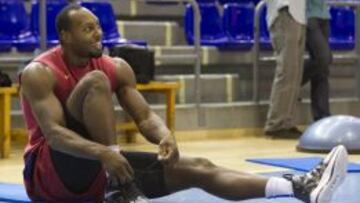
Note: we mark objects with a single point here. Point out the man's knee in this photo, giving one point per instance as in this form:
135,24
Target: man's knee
189,172
97,79
201,164
92,84
191,164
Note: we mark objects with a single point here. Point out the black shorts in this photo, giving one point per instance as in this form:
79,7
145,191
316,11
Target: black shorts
77,174
149,173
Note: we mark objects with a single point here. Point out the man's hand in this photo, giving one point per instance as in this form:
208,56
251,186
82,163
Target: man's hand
117,166
168,151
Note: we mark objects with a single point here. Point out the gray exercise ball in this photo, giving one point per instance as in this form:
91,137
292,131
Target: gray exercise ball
328,132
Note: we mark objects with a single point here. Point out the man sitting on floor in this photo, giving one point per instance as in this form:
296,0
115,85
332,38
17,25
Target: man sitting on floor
72,156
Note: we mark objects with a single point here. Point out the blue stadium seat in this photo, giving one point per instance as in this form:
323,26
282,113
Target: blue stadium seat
342,28
104,11
265,41
238,20
212,32
8,28
14,24
53,7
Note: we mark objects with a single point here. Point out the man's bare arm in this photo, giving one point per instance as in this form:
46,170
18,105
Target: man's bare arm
149,123
37,87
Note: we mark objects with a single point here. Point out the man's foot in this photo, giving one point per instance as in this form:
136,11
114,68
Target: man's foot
291,133
318,185
128,193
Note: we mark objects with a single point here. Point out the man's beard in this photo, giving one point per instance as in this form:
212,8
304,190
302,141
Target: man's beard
96,54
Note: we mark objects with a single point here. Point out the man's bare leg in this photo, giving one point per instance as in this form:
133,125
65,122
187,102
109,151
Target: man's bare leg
91,104
317,185
92,116
225,183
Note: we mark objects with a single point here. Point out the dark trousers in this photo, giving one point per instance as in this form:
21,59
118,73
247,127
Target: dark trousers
316,69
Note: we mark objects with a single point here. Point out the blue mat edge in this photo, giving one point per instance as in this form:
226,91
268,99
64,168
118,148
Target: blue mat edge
12,201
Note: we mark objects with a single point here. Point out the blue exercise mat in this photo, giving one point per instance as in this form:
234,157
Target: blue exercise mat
299,164
15,193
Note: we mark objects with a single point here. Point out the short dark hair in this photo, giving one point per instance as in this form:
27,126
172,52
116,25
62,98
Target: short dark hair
63,19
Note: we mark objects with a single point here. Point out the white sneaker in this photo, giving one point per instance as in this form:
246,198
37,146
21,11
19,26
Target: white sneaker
319,184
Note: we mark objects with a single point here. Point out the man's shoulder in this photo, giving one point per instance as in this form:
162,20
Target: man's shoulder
35,67
49,53
118,61
35,70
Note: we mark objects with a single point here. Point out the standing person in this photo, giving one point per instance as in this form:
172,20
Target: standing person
286,21
72,156
316,69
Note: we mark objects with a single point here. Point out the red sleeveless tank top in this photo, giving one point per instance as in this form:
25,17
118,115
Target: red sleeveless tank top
66,79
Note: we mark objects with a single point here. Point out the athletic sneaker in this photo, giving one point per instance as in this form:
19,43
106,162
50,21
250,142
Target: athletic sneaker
113,193
318,185
132,194
128,193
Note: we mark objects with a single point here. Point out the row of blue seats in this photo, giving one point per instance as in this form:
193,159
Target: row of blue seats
21,31
234,30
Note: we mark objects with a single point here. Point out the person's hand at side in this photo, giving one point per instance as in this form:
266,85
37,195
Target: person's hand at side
117,166
168,150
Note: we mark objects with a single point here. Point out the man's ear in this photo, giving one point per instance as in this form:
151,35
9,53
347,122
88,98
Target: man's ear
65,36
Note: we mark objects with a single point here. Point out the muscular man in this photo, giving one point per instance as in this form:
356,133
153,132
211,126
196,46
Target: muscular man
72,155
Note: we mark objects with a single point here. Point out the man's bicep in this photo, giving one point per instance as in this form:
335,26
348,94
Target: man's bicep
48,112
37,88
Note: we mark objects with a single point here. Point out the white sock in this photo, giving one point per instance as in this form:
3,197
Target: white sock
278,187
